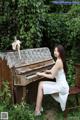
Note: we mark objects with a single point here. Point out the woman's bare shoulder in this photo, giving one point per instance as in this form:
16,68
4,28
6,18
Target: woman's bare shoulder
59,62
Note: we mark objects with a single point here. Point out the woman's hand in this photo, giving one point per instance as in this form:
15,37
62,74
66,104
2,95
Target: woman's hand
47,71
40,74
43,74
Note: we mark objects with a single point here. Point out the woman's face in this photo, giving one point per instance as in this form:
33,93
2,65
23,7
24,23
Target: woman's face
56,53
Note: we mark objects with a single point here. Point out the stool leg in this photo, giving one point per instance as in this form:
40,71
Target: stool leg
65,114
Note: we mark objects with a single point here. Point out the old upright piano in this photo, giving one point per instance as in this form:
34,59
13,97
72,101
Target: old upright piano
22,72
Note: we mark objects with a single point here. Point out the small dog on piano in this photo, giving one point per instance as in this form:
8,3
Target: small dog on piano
61,86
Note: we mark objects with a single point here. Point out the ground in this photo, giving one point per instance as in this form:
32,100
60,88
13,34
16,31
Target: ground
52,111
50,115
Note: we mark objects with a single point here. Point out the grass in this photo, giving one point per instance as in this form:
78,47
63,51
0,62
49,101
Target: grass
52,110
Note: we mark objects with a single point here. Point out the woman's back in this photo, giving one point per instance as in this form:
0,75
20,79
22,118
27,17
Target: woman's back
61,77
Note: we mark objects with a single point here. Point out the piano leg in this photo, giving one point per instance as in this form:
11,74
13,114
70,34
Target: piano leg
20,93
24,93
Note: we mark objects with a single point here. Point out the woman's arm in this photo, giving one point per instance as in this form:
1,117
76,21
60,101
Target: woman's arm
53,71
48,71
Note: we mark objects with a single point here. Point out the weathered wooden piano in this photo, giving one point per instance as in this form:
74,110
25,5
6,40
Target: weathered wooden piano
22,72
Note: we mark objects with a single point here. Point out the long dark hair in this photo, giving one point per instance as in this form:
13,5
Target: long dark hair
62,56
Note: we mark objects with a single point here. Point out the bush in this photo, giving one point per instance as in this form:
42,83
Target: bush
35,26
5,93
70,72
55,30
22,18
20,111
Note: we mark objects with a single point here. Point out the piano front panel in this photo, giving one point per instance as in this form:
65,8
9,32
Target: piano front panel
30,76
23,80
33,67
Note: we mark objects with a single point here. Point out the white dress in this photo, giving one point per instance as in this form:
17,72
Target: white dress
60,86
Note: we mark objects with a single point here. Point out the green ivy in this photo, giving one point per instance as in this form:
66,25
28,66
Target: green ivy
21,111
70,72
5,93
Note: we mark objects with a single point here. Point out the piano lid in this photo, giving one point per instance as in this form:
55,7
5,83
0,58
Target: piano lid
29,56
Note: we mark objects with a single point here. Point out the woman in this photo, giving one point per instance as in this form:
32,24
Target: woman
60,87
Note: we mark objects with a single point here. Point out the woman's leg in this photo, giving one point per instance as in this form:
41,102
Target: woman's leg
39,97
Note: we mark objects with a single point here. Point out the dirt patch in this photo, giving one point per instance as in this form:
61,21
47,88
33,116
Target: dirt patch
50,115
